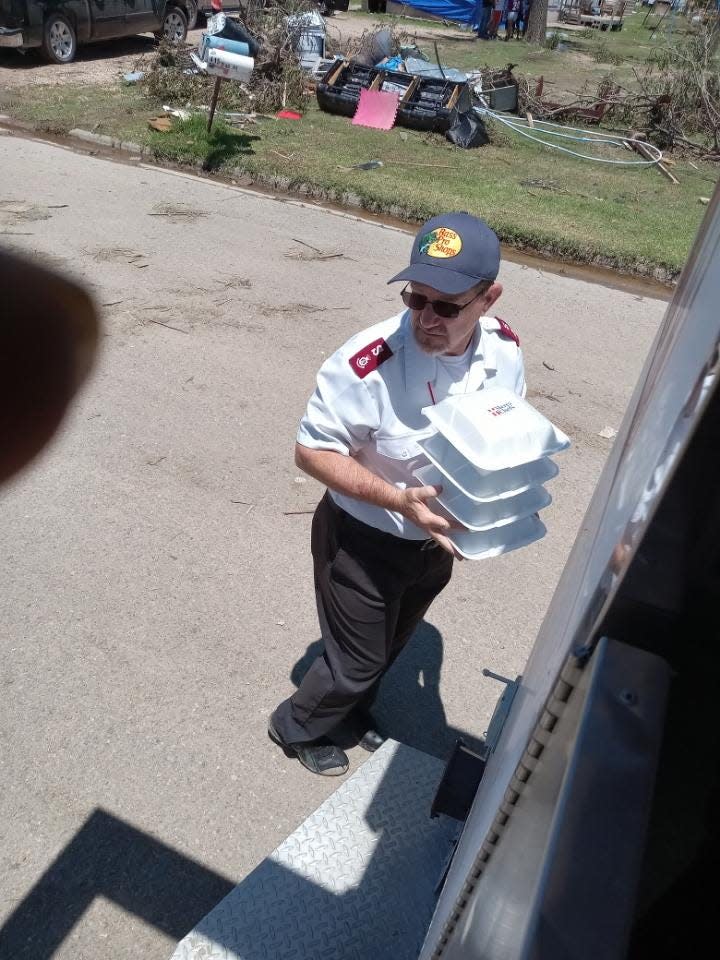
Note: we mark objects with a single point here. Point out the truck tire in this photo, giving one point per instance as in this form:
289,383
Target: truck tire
174,26
59,39
191,9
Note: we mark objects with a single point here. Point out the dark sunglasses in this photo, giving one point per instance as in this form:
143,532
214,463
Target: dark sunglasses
443,308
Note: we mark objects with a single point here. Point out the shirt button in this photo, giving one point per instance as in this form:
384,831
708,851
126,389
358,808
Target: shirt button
404,453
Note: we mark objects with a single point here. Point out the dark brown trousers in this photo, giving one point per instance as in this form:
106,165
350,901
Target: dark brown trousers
372,590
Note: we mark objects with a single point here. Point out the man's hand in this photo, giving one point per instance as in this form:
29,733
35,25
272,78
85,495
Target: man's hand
347,476
413,507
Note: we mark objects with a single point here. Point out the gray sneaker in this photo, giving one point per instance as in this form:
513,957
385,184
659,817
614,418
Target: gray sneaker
320,756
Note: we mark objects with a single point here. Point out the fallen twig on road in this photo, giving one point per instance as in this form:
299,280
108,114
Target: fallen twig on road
168,325
309,245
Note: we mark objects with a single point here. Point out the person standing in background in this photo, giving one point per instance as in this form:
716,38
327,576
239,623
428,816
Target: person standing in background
525,7
481,18
496,18
511,17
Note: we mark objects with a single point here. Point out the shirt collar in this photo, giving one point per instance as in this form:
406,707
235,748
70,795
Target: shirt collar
421,367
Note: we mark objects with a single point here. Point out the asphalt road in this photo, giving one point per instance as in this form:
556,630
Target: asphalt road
155,561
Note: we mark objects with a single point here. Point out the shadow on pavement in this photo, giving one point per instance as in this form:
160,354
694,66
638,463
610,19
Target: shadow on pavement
360,878
292,890
112,859
337,910
408,706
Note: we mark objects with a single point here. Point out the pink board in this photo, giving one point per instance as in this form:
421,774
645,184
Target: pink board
377,109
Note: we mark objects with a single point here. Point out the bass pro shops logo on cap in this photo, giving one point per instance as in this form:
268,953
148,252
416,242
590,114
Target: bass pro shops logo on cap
441,242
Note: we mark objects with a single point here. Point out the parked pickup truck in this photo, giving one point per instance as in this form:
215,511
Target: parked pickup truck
58,26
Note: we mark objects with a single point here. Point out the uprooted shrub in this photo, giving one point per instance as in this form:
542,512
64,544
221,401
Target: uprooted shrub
674,102
681,84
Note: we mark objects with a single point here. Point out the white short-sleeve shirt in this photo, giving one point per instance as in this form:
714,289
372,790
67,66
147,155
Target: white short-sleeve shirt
370,394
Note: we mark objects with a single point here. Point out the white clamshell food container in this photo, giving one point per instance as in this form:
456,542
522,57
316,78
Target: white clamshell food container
495,429
483,485
483,515
474,545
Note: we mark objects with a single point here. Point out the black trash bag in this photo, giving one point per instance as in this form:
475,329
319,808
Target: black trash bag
235,31
467,131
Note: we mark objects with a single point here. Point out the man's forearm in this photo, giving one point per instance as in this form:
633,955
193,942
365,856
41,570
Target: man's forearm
345,475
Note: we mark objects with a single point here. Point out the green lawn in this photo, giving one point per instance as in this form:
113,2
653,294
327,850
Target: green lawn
632,219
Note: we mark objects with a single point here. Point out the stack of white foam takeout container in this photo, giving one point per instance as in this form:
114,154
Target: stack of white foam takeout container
491,455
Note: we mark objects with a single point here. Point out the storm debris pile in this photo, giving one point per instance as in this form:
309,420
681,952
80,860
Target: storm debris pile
277,80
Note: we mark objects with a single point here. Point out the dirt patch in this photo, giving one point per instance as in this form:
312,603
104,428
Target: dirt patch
350,26
101,64
269,310
235,283
176,212
16,212
120,255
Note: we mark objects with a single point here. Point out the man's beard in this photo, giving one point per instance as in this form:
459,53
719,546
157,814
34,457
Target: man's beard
434,346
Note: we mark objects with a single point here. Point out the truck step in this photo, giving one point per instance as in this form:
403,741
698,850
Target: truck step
356,881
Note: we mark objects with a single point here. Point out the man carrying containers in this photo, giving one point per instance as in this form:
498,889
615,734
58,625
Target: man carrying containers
380,553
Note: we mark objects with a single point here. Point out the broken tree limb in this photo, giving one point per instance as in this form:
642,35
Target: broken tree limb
640,148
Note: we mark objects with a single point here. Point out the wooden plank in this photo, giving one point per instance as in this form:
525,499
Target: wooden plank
453,97
375,85
415,82
333,79
644,152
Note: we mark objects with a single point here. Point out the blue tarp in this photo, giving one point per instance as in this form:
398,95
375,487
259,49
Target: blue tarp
458,10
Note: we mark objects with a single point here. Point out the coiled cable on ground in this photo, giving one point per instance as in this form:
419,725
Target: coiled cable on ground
545,128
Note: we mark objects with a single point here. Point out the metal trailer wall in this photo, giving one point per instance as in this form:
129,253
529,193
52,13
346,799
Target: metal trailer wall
672,391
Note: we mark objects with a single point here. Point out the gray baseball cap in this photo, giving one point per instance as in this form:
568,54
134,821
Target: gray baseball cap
452,253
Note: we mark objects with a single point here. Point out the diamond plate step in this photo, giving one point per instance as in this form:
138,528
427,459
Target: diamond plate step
356,881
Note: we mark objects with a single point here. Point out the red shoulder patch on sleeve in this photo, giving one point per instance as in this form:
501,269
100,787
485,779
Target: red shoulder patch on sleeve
370,358
507,331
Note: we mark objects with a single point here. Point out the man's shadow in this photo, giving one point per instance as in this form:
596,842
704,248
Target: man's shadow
408,706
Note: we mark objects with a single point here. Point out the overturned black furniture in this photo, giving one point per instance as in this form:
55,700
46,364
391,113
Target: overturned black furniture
426,103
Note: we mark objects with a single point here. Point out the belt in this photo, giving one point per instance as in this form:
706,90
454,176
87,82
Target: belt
381,536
